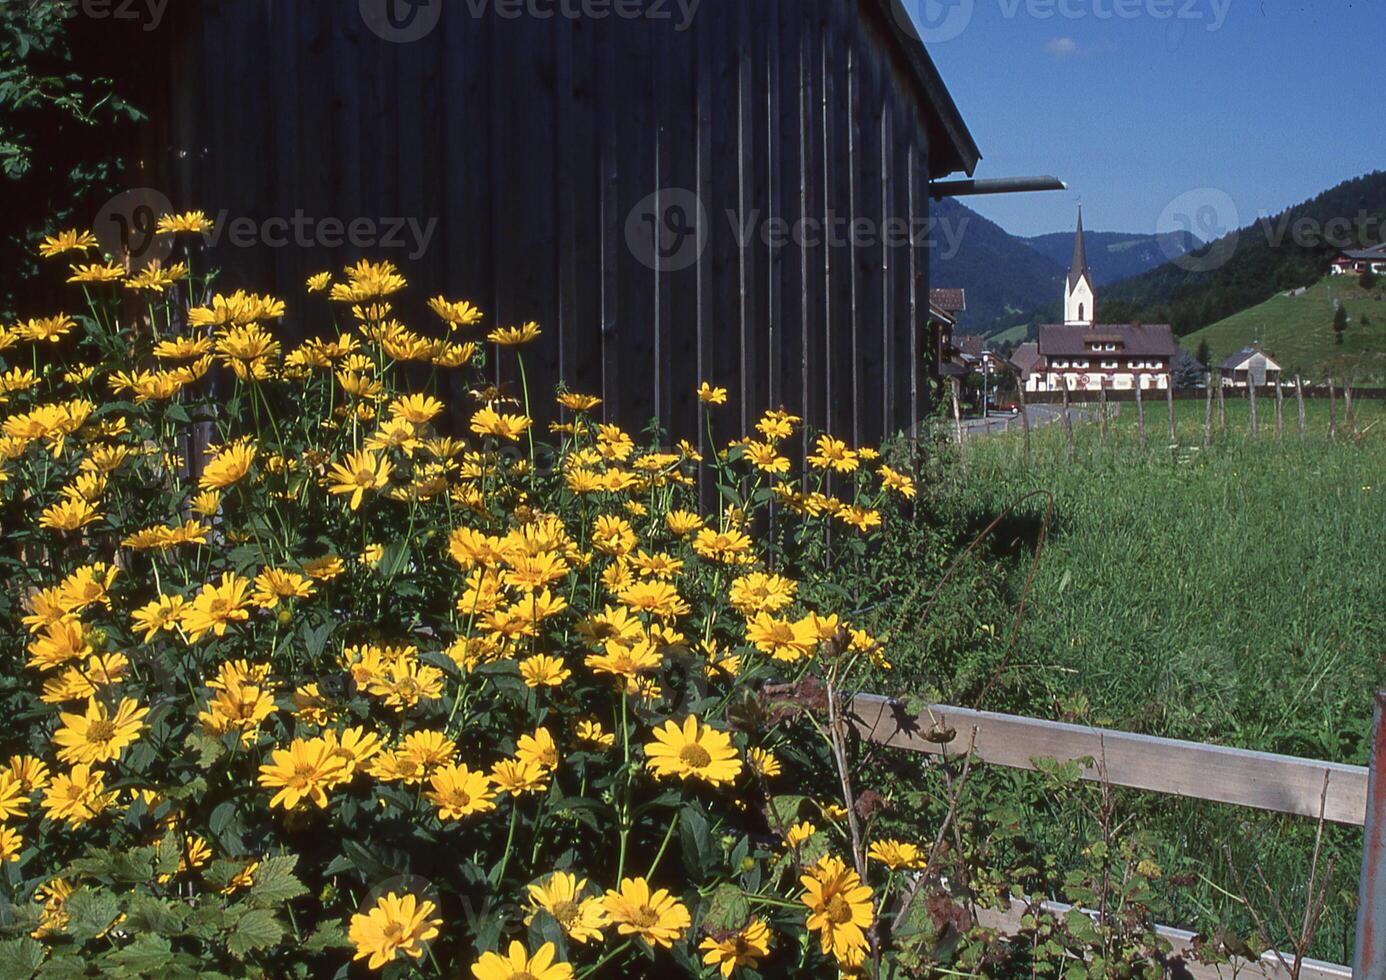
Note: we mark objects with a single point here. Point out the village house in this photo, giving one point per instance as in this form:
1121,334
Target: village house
1357,261
1249,365
946,355
1084,355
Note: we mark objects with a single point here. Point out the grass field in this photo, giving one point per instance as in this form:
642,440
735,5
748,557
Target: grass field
1298,330
1229,595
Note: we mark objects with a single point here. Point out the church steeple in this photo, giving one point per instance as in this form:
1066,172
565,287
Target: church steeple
1079,295
1078,268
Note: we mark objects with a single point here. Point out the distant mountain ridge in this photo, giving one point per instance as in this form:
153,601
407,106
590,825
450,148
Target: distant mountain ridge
1114,255
1013,281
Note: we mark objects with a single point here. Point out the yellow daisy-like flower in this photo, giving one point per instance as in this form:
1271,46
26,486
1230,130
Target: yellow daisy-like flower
97,272
745,947
763,761
230,464
273,585
542,670
759,592
98,735
515,336
562,896
50,329
575,402
216,607
539,749
454,314
709,395
518,965
515,776
692,750
839,906
898,482
488,422
799,833
896,854
682,523
626,661
14,798
724,546
188,223
11,844
318,282
833,454
305,770
77,797
656,917
397,924
781,638
69,515
613,535
361,471
591,734
159,615
459,792
71,240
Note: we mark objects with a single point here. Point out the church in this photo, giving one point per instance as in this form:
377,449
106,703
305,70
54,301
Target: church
1087,356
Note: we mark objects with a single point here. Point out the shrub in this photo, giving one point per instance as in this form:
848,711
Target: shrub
299,675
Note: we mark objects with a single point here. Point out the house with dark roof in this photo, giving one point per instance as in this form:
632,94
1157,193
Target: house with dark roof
1250,365
945,355
1083,355
1357,261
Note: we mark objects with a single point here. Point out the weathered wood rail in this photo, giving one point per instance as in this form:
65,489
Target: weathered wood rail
1348,795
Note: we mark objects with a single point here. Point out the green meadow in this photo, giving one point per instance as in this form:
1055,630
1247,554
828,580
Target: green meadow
1230,594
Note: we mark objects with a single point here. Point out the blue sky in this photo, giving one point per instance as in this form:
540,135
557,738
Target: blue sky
1266,101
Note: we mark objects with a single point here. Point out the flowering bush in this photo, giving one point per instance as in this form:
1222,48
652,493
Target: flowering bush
302,679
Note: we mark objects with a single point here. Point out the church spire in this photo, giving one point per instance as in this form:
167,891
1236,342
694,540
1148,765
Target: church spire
1078,269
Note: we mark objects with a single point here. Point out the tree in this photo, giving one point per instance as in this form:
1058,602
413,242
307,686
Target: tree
1186,371
1340,323
1367,280
1204,355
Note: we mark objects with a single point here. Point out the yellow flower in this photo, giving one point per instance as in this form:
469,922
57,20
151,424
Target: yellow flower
745,947
693,750
539,749
515,776
777,425
325,568
682,523
562,896
69,515
833,454
839,906
799,833
189,222
781,638
96,273
66,241
236,706
163,613
488,422
898,482
14,798
11,844
360,472
896,854
455,314
275,584
626,661
657,918
516,965
613,535
319,281
724,546
542,670
764,762
51,329
761,593
397,924
305,770
514,336
230,464
30,772
590,734
578,403
77,797
58,643
98,735
654,598
459,792
215,607
709,395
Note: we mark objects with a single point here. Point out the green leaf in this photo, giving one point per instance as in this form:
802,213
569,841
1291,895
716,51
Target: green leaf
91,912
256,929
147,955
727,910
19,958
695,841
274,882
329,935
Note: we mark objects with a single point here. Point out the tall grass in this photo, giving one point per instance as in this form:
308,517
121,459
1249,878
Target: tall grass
1230,595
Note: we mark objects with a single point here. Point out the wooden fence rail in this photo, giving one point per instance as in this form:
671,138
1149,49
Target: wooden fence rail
1259,780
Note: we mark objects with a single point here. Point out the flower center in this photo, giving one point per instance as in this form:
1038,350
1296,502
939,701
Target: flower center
645,917
838,910
100,731
365,477
565,912
695,755
218,607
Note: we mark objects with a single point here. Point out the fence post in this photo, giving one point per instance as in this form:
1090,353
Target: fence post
1140,413
1068,421
1169,403
1102,410
1279,408
1251,394
1369,944
1299,404
1208,414
1024,416
1332,411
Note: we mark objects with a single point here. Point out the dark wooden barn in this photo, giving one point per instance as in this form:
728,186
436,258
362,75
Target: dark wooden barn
633,181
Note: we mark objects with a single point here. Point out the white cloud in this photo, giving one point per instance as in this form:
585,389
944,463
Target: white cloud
1063,48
